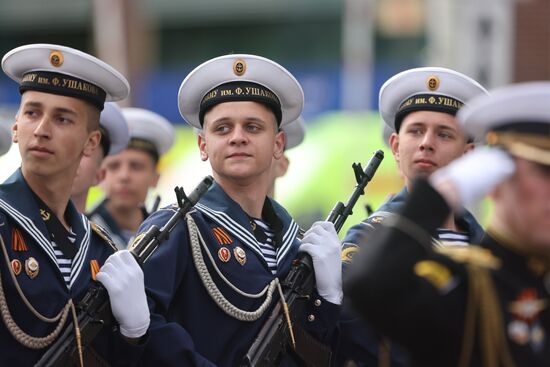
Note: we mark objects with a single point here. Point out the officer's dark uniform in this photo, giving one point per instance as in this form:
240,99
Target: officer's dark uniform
363,343
418,297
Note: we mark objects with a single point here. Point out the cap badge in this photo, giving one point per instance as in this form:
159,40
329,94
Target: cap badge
56,58
432,83
240,255
239,67
16,266
31,267
224,254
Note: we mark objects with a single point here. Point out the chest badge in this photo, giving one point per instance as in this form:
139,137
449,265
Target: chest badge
17,241
16,266
221,236
45,215
224,254
31,267
94,268
240,255
525,327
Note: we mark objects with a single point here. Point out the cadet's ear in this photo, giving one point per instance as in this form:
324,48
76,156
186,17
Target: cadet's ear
280,141
469,147
394,144
92,143
201,141
99,176
281,166
14,133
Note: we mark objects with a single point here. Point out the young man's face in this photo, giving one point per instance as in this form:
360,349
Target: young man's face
53,133
241,139
427,141
128,177
522,203
90,173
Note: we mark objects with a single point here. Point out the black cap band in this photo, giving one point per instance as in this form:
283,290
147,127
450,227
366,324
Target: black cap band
240,91
65,85
146,146
427,102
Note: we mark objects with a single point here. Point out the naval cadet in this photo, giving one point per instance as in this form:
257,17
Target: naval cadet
114,138
212,284
485,305
131,173
52,254
418,106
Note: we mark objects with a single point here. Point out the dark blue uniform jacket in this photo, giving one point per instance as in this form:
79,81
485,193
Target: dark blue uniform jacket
187,327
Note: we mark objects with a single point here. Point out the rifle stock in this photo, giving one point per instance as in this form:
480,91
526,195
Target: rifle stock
273,339
94,310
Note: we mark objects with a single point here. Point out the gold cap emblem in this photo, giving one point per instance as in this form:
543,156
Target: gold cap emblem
56,58
432,83
239,67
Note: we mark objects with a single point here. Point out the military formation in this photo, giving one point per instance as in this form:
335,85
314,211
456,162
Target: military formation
418,283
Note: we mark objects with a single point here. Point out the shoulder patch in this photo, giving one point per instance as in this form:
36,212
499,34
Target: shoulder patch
102,233
348,251
378,217
471,255
434,272
375,220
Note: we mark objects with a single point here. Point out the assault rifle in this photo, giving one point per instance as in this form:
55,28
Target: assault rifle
275,338
94,310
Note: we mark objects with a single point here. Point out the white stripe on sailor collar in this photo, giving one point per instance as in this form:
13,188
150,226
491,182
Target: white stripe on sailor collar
288,240
29,226
79,259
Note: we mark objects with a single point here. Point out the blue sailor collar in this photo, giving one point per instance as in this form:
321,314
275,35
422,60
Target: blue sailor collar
219,207
17,201
465,220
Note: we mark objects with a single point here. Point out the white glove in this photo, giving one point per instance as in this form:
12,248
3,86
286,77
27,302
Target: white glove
473,175
323,245
123,279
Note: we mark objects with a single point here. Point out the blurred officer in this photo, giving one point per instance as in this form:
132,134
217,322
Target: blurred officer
471,306
114,138
294,136
212,283
51,252
419,106
131,173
